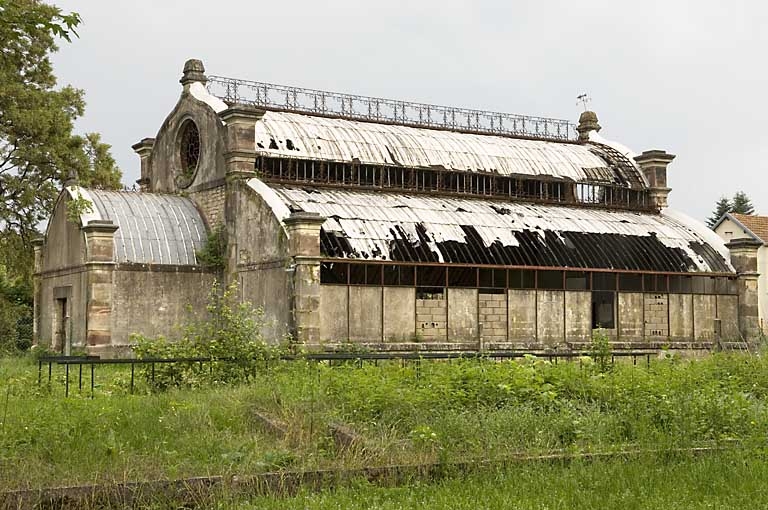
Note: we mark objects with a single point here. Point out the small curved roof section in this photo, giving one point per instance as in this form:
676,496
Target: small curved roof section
419,228
283,134
153,228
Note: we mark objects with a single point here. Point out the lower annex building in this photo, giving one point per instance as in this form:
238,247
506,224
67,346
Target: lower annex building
394,225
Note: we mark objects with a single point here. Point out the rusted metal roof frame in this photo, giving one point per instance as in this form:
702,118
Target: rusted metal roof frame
341,260
269,177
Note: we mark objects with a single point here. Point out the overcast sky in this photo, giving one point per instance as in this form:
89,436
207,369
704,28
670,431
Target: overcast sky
687,77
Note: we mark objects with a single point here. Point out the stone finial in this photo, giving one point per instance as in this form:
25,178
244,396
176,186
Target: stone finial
194,71
72,178
587,122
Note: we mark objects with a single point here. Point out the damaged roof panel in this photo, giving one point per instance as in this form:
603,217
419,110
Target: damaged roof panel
282,134
419,228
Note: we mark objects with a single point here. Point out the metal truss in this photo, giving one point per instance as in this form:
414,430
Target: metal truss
372,109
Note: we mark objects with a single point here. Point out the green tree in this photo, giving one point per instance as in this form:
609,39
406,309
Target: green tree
38,149
742,204
723,206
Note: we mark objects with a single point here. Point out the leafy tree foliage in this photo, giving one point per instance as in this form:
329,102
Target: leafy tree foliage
38,149
740,203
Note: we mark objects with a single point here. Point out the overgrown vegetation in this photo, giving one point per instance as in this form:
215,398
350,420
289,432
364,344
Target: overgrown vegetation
214,251
406,413
229,330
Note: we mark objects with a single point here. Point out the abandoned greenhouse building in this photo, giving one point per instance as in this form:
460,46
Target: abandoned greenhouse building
394,225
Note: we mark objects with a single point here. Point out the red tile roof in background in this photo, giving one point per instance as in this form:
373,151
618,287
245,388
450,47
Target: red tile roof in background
757,224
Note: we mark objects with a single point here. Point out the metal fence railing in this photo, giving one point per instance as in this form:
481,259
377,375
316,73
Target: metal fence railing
91,362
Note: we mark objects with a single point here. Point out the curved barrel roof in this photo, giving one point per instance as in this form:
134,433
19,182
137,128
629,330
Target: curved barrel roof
153,228
419,228
319,138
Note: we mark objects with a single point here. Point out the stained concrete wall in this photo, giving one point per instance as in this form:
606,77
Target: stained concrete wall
549,307
704,315
522,316
61,265
47,316
155,303
629,316
165,161
431,319
728,313
680,317
268,288
493,317
399,314
462,315
365,307
257,249
334,314
578,316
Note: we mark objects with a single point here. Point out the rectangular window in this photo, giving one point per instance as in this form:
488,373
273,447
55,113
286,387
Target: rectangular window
703,285
430,276
577,280
391,275
493,278
603,309
373,274
551,280
357,274
604,281
655,283
630,282
680,284
462,277
333,273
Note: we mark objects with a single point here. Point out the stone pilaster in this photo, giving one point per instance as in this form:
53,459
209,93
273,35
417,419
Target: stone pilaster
100,245
744,260
144,150
654,164
37,246
304,249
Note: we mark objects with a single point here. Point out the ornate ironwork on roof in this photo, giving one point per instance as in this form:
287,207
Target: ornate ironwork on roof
373,109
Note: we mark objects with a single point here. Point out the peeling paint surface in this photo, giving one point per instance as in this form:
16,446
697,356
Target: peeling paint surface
153,228
422,228
326,139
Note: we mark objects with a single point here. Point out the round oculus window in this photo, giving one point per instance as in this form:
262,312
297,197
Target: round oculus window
189,148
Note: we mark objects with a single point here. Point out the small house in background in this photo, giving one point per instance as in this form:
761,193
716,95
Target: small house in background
752,229
393,225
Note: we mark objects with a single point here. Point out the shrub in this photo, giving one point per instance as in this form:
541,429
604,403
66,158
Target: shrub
229,333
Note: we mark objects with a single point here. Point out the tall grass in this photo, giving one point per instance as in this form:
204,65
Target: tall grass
406,413
732,481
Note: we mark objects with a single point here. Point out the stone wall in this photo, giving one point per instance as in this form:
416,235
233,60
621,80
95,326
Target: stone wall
210,202
522,317
656,311
431,318
493,317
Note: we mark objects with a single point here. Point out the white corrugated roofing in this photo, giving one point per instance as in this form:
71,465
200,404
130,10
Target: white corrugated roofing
153,228
328,139
371,221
